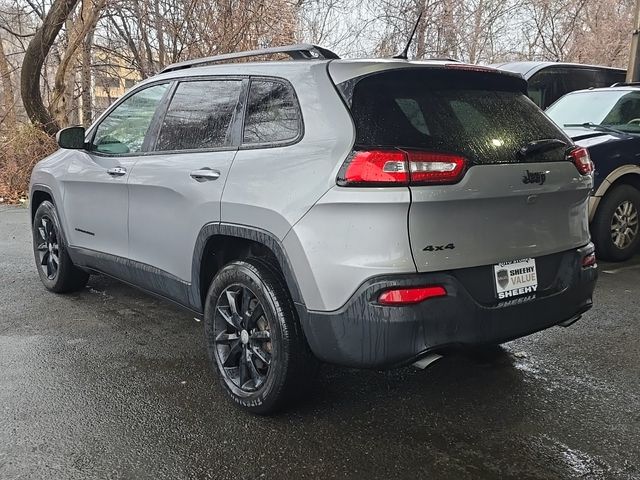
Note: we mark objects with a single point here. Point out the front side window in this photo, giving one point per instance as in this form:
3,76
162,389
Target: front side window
199,115
124,129
272,113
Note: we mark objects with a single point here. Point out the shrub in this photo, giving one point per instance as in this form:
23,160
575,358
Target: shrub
20,150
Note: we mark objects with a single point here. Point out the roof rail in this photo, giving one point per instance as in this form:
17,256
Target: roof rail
300,51
442,59
626,84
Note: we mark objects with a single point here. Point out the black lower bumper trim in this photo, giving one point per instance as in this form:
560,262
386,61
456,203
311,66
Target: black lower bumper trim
368,335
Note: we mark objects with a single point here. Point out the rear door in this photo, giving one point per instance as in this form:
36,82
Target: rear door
505,205
176,190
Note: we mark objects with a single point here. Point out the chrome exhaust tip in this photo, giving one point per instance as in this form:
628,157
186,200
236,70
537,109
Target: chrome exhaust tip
427,360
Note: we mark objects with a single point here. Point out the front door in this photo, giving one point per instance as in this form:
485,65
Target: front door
95,197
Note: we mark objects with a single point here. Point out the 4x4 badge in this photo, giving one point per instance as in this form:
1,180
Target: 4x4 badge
534,177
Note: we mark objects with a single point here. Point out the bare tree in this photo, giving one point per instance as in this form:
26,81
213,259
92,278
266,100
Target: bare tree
34,58
8,116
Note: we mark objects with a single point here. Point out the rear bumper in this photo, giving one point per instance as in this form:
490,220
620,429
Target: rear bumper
368,335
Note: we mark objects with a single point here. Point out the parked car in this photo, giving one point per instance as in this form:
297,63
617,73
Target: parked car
606,121
367,213
548,81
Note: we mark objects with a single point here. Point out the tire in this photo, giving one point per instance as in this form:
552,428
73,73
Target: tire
56,270
254,338
619,210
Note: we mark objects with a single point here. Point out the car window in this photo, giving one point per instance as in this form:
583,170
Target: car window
616,108
484,117
412,110
123,130
199,115
272,113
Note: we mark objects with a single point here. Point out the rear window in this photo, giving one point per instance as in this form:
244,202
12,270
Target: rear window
482,116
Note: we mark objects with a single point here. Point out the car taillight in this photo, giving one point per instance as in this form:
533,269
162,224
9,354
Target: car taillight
409,295
589,260
379,168
582,160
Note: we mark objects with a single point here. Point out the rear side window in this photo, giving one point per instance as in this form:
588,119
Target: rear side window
482,116
199,115
273,115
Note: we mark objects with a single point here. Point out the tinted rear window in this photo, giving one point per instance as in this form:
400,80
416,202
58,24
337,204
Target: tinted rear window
272,114
485,117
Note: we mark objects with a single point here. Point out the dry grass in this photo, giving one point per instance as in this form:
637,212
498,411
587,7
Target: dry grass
20,150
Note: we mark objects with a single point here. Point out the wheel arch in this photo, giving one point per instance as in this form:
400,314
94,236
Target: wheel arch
219,243
39,194
629,174
624,175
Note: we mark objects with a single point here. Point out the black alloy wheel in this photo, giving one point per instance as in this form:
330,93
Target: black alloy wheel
254,338
242,338
47,247
57,271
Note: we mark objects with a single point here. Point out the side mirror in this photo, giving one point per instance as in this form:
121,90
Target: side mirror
71,137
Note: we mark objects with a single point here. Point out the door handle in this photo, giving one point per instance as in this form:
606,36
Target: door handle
117,171
205,174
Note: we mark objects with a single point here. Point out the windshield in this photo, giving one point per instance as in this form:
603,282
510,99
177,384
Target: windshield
617,109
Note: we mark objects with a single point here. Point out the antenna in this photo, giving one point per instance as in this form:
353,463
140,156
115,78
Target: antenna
404,53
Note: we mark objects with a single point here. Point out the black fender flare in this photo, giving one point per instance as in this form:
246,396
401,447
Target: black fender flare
264,237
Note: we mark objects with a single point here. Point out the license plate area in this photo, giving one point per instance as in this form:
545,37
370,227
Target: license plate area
515,279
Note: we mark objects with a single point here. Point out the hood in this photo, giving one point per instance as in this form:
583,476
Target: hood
587,137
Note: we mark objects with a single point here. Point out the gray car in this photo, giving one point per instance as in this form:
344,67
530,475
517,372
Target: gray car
368,213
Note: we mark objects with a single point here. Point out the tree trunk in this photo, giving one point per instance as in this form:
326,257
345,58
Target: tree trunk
34,58
85,80
61,103
9,113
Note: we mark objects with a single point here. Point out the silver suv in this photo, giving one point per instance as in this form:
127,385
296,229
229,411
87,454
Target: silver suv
367,213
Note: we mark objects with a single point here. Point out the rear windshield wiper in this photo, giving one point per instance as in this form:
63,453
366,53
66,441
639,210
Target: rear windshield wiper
596,126
539,146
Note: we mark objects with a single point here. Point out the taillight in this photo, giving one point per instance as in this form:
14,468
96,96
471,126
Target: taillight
589,260
409,295
582,160
426,168
378,168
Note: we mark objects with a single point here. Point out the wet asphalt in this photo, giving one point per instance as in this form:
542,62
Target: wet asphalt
112,383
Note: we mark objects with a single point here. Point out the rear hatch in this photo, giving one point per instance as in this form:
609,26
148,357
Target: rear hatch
492,179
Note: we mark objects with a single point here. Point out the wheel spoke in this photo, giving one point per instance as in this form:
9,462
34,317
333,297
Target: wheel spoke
48,227
42,233
228,318
260,335
243,370
55,260
50,266
253,372
231,298
262,355
232,357
257,312
246,297
45,258
42,247
225,338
